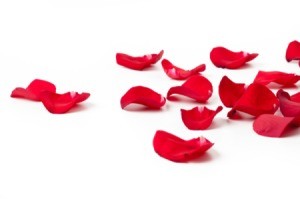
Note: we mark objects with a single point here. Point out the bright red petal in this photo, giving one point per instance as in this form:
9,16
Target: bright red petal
144,96
284,79
176,149
34,89
257,100
293,51
288,107
199,118
138,63
62,103
224,58
175,72
196,87
271,125
296,97
230,92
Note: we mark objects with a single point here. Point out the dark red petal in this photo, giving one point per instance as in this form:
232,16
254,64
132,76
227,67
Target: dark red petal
176,149
62,103
138,63
271,125
199,118
257,100
224,58
175,72
196,87
144,96
34,89
285,79
230,92
293,51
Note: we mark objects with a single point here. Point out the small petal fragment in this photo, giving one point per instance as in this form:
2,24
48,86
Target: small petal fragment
144,96
138,63
177,73
293,51
176,149
196,87
199,118
223,58
284,79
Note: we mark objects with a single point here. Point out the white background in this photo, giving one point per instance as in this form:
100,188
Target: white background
101,151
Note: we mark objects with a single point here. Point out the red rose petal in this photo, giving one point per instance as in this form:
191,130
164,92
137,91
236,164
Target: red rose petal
230,92
199,118
293,51
144,96
196,87
271,125
62,103
34,89
177,73
288,107
224,58
256,100
176,149
138,63
296,97
285,79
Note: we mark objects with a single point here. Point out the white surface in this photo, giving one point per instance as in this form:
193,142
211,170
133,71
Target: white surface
102,151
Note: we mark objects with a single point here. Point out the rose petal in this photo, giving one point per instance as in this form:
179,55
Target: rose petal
256,100
176,149
177,73
224,58
296,97
271,125
144,96
62,103
138,63
199,118
288,107
293,51
196,87
33,90
230,92
285,79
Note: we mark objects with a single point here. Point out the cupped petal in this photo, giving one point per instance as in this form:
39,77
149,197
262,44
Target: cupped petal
196,87
33,90
62,103
144,96
272,125
284,79
230,92
139,62
176,149
224,58
177,73
199,118
293,51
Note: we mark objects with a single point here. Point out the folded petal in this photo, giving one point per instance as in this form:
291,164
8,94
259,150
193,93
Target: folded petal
230,92
62,103
33,90
175,72
144,96
271,125
223,58
140,62
284,79
176,149
293,51
199,118
196,87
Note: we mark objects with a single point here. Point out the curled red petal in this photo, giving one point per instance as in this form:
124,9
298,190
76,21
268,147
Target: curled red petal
256,100
284,79
144,96
140,62
271,125
177,73
196,87
176,149
199,118
62,103
230,92
33,90
223,58
293,51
